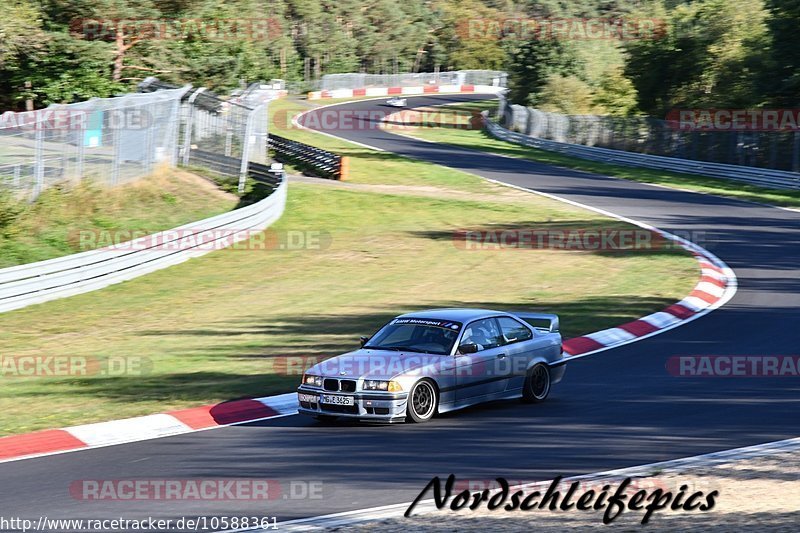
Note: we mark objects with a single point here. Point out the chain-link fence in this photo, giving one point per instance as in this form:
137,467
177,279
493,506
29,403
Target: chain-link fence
458,77
778,150
110,140
117,140
215,127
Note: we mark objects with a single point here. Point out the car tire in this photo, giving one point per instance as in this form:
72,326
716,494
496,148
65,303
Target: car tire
326,418
423,401
537,384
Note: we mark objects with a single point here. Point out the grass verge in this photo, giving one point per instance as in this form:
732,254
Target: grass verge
68,219
481,140
221,326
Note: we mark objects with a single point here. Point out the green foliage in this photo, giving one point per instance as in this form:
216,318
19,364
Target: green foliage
615,94
566,94
708,53
534,62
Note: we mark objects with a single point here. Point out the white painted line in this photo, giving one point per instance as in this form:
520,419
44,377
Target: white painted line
287,407
705,255
394,511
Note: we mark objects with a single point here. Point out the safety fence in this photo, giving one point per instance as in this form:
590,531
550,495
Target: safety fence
111,140
308,159
408,79
775,150
756,176
33,283
117,140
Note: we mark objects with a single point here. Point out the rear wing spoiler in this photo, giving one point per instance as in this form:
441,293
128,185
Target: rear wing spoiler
544,321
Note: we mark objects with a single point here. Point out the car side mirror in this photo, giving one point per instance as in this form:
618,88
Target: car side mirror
364,339
467,348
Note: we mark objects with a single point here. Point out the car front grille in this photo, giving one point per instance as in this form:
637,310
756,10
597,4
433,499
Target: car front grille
345,409
335,385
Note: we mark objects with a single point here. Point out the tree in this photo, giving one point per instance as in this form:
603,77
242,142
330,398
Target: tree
615,94
565,94
782,72
534,62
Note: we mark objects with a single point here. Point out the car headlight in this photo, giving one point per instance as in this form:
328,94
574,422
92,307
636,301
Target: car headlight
314,381
391,386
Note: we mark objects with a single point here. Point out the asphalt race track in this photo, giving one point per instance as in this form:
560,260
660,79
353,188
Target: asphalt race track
617,408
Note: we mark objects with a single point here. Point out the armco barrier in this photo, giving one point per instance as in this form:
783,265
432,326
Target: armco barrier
34,283
307,158
776,179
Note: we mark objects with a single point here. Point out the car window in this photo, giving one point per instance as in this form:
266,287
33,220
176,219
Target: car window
514,331
484,333
414,334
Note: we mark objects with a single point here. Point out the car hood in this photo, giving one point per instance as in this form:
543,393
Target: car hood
376,364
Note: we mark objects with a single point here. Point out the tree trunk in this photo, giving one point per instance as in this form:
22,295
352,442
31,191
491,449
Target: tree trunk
119,56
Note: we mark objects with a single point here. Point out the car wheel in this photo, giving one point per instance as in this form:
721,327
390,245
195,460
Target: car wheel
422,401
537,384
326,418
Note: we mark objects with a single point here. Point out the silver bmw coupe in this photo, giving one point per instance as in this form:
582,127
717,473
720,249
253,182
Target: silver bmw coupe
435,361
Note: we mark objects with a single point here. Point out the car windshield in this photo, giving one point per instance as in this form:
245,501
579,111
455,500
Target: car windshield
421,335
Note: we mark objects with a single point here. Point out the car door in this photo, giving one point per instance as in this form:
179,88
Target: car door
477,373
520,347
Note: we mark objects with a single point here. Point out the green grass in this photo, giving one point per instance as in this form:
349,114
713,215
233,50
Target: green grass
370,166
218,327
481,140
54,225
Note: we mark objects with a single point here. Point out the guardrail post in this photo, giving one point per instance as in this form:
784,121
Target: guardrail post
38,165
81,141
187,132
248,131
115,159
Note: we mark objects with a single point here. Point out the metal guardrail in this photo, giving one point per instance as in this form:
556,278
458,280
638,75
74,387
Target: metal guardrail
34,283
776,179
264,174
307,158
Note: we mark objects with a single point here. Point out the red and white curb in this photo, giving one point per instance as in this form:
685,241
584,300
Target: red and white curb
716,286
403,91
140,428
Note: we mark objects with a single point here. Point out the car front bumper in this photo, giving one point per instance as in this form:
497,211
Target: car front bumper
367,406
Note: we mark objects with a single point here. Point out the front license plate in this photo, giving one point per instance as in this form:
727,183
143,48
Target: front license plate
310,398
337,400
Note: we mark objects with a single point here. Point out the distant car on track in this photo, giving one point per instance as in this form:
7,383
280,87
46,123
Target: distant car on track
396,102
435,361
